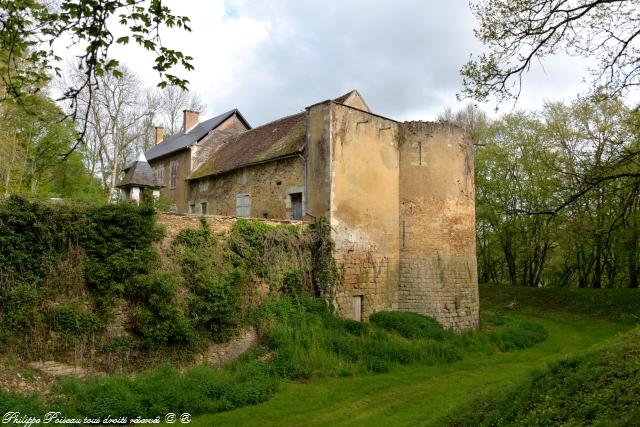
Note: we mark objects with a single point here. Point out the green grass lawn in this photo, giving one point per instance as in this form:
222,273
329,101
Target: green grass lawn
420,395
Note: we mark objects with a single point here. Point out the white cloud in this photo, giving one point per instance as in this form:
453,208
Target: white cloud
273,58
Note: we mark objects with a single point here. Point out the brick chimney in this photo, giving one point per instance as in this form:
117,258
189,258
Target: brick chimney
190,119
159,134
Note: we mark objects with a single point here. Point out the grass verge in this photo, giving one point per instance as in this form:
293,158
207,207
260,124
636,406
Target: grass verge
600,387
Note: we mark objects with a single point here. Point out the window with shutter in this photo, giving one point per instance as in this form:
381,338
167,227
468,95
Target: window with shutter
243,205
174,174
159,171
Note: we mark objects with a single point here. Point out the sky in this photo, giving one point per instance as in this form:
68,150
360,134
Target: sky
273,58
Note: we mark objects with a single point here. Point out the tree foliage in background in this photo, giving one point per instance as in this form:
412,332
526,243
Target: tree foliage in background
560,157
31,30
518,33
32,141
119,118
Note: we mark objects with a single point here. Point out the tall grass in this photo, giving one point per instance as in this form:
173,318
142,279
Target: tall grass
301,338
311,341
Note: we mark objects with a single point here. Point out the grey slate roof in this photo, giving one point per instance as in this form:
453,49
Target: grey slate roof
140,174
181,140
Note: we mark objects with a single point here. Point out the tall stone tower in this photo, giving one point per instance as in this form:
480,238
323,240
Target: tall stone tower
401,204
438,274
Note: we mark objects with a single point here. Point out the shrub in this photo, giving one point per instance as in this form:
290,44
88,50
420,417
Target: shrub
155,392
158,318
73,318
215,281
410,325
118,240
518,335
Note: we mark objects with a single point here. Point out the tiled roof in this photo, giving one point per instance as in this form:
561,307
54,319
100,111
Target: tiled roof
140,174
283,137
182,140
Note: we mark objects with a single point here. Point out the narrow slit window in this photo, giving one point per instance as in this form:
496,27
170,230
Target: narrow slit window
357,308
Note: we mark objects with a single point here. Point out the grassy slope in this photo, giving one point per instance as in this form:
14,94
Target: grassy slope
422,396
599,387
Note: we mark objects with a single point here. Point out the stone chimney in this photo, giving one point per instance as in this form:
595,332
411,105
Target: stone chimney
190,119
159,134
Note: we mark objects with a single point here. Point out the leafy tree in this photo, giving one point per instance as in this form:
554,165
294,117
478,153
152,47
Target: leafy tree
31,145
520,32
527,161
31,29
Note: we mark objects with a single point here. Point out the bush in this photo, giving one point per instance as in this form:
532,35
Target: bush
215,281
158,318
410,325
518,335
72,318
118,240
158,391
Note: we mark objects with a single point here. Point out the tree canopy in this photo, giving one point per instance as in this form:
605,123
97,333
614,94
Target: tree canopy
518,33
30,29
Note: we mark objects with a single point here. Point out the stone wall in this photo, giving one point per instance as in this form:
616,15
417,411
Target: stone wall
269,186
438,274
174,223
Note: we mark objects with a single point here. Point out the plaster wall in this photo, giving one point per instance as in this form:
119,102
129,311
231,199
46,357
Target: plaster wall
318,156
364,211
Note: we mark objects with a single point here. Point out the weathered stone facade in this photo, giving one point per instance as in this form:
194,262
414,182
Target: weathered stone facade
399,198
364,210
438,273
268,186
183,161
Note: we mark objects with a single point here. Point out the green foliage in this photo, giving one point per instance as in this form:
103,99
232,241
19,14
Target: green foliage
215,279
248,237
306,340
158,391
557,201
116,255
158,318
25,404
72,318
36,134
518,335
410,325
31,27
194,237
597,388
118,240
32,236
